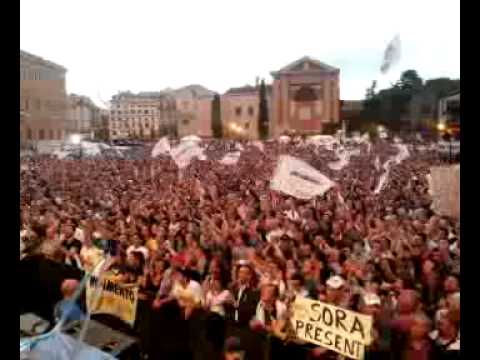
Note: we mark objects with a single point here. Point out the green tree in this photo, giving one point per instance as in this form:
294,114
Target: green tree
217,129
263,120
410,81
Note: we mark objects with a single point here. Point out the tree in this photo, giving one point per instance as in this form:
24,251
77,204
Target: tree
217,129
410,81
263,120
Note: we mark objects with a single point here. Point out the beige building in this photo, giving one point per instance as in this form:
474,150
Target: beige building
43,99
149,115
83,116
306,97
239,111
194,110
142,115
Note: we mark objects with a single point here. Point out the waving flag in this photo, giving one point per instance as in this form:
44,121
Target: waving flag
391,55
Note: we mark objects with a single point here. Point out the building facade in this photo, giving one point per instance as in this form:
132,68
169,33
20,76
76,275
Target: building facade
240,111
143,115
83,116
150,115
194,110
43,99
306,97
449,108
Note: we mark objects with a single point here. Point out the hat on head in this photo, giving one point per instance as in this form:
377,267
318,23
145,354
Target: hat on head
335,282
371,299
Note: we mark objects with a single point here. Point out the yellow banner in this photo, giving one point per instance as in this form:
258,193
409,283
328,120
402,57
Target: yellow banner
343,331
111,297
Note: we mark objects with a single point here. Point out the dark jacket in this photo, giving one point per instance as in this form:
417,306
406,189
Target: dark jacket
246,308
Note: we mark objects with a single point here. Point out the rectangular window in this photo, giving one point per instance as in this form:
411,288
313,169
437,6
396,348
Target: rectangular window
238,111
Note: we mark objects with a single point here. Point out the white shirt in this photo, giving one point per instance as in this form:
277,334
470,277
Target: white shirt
193,288
214,302
281,312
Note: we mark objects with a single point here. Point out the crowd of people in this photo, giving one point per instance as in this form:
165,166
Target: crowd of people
216,236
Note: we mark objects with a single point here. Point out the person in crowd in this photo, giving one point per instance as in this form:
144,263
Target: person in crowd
217,296
271,313
67,308
233,349
350,247
245,295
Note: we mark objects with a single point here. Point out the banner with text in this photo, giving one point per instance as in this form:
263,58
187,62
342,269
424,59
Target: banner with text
114,298
342,331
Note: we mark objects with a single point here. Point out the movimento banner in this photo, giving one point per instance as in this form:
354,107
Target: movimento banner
114,298
342,331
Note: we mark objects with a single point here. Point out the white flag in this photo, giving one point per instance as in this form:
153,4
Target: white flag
391,55
296,178
185,152
162,147
231,158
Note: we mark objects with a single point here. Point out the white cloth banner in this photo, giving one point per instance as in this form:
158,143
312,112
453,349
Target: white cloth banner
444,187
185,152
231,158
162,147
296,178
344,158
402,154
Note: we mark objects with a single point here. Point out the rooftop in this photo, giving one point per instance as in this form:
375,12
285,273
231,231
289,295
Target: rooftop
306,63
34,58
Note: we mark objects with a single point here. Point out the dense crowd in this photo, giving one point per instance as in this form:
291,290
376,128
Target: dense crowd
216,236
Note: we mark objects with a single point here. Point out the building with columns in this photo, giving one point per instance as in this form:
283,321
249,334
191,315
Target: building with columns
306,97
43,99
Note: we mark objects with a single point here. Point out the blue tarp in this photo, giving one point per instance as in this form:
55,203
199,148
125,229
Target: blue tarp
58,346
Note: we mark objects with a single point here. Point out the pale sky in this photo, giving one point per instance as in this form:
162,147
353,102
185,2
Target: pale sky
148,45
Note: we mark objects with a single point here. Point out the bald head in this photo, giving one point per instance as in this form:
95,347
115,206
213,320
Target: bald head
68,288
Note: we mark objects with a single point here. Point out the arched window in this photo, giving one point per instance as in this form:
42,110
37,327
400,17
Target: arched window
305,93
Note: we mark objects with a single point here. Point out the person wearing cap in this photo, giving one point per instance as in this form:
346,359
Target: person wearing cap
336,291
67,307
246,297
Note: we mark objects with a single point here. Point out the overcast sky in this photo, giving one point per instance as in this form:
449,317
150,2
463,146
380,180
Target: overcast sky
148,45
